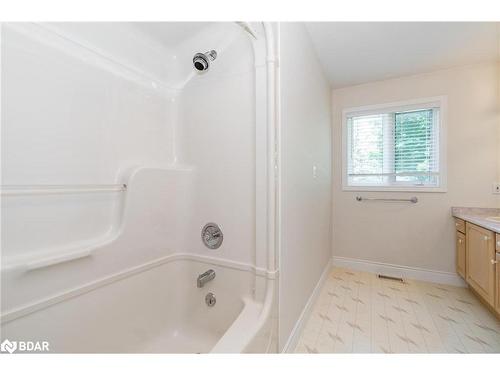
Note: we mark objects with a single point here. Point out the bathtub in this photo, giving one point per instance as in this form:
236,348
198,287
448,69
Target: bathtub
155,308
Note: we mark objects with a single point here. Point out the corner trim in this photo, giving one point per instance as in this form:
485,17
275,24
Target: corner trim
293,339
433,276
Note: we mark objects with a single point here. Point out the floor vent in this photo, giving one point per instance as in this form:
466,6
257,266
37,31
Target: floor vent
391,278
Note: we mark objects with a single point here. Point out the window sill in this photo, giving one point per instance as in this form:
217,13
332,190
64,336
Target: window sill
408,189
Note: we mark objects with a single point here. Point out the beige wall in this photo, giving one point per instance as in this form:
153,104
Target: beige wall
422,235
305,195
498,124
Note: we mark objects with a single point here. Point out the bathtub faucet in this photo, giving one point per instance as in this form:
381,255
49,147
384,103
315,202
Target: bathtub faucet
205,277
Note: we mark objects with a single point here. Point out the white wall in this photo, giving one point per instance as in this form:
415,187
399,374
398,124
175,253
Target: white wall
422,235
498,124
305,197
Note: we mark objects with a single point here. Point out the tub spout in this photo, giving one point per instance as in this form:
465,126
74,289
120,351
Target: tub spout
204,278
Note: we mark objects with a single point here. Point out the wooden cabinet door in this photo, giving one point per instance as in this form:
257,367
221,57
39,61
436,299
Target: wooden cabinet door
461,254
497,283
480,269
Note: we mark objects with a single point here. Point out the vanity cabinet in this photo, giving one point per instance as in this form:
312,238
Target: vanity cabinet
480,267
497,281
498,285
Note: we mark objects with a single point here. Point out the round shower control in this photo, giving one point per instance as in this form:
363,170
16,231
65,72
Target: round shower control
211,235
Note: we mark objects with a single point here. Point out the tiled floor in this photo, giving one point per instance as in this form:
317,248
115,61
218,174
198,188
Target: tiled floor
358,313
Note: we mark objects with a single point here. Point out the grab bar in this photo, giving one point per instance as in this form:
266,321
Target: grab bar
412,199
6,190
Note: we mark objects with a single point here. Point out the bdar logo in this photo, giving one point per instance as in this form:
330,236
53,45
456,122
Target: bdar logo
8,346
24,346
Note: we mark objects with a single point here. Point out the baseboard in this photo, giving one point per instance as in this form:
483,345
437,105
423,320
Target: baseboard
439,277
304,315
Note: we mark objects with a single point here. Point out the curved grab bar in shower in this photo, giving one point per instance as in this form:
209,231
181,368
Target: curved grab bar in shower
7,190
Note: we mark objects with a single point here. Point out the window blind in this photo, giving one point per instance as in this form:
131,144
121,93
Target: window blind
393,148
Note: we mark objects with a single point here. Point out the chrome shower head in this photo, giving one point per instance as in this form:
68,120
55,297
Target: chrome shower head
201,61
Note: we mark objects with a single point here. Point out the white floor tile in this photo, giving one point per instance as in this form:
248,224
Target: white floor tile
357,312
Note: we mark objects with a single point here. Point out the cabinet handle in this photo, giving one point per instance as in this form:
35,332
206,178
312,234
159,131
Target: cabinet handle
486,238
493,261
456,224
460,240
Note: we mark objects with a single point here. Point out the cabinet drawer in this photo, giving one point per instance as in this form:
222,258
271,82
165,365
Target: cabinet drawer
460,225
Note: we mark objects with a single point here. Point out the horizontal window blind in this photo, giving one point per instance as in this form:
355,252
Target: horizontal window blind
393,148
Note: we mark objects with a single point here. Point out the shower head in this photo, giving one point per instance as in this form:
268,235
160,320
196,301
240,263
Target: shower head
201,61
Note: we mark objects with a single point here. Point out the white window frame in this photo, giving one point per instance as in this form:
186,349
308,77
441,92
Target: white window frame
402,106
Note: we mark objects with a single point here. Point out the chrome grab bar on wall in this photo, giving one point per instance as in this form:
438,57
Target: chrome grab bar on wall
6,190
411,200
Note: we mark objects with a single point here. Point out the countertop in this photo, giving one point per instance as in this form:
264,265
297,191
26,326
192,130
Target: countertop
478,216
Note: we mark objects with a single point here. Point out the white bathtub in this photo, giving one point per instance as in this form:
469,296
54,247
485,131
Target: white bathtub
156,308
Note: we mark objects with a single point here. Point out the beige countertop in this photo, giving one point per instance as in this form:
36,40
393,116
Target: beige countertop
478,216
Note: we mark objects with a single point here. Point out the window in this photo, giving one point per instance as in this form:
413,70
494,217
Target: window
394,147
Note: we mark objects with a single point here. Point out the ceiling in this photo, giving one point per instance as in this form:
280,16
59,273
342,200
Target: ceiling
358,52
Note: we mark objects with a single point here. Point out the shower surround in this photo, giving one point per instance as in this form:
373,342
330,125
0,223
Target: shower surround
115,154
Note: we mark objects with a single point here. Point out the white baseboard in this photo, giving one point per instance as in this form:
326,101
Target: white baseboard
439,277
304,315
